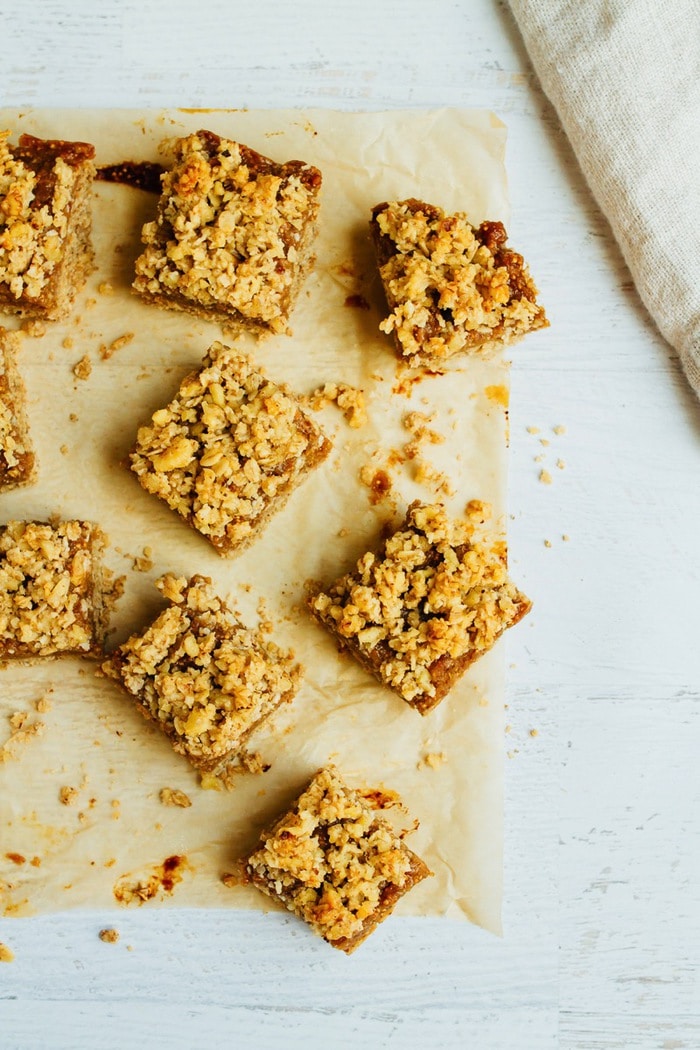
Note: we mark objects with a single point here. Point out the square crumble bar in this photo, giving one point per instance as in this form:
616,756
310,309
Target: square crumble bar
17,461
202,677
419,612
46,249
450,287
333,862
228,451
53,593
232,238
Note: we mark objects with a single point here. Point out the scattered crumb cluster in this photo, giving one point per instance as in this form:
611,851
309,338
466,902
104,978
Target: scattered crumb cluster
349,400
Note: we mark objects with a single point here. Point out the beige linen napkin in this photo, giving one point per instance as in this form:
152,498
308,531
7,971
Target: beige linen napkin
624,76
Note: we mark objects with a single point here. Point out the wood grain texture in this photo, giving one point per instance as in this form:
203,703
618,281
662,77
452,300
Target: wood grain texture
601,913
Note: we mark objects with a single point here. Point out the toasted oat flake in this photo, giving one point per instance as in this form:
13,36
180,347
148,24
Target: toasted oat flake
106,350
174,797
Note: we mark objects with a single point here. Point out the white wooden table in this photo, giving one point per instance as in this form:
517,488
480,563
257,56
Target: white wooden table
602,909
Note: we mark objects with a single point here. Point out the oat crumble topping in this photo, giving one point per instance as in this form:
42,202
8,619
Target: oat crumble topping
205,679
232,235
17,463
228,450
417,613
44,223
451,287
51,589
334,862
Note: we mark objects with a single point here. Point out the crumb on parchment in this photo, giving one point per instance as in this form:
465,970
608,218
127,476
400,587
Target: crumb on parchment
545,477
21,735
432,760
106,350
109,935
174,797
6,954
83,368
349,400
68,796
144,562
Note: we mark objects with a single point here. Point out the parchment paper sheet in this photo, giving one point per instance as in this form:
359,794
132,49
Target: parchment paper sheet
117,831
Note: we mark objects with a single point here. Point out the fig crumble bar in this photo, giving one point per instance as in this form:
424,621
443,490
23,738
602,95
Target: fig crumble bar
17,461
333,862
52,590
232,238
228,451
45,224
450,287
424,608
202,677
